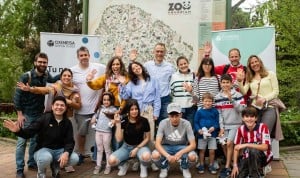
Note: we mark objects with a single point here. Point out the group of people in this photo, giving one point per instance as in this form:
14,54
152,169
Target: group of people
150,112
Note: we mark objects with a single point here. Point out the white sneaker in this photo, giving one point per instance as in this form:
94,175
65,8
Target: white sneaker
186,173
163,173
123,169
267,169
135,166
154,167
143,173
41,175
96,170
216,164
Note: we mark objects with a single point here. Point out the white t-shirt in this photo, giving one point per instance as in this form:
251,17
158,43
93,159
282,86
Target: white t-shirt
89,97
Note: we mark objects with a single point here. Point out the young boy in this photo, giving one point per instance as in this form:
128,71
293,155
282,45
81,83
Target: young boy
229,103
206,123
253,143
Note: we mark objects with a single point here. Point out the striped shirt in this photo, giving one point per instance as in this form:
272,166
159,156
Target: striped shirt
179,94
205,84
259,135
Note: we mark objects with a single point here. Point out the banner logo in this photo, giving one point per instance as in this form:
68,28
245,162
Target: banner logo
180,8
61,43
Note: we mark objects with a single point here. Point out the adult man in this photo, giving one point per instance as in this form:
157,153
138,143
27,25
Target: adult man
89,97
234,56
162,71
30,107
175,142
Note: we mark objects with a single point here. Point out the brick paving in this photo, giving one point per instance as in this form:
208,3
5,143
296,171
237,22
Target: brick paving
288,164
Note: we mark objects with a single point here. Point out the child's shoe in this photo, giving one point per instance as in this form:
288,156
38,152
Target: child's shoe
96,170
107,170
212,169
200,169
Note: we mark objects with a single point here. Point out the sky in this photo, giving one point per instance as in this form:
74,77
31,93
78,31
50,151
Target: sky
248,3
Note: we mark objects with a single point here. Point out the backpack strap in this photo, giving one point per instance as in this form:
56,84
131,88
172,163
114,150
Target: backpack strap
29,77
226,67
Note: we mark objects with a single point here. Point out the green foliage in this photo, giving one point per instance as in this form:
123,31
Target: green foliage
289,82
292,114
61,16
240,19
16,32
291,132
284,15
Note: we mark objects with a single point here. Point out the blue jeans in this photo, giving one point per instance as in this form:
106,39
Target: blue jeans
188,114
165,101
45,157
163,163
21,146
122,154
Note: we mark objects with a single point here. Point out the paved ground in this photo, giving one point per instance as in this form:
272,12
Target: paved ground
286,167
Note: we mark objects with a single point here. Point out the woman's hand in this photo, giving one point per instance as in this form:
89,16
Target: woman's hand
11,125
121,79
117,118
207,48
23,87
240,75
119,51
133,55
133,152
90,76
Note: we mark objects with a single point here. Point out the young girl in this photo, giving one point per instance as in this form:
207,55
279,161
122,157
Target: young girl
103,126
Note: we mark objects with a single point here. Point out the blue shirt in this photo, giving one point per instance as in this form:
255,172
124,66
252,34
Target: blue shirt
146,93
162,72
207,118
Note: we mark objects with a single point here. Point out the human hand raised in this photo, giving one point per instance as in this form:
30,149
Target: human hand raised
11,125
133,55
240,75
23,86
207,48
90,76
118,51
187,86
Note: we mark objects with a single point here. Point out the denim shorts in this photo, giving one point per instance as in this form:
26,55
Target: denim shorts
122,154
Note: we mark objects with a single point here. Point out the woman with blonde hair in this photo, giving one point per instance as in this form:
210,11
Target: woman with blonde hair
264,88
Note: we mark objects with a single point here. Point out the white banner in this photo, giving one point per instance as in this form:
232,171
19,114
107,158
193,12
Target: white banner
61,49
257,41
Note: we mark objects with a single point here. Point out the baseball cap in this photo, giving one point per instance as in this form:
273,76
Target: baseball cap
173,107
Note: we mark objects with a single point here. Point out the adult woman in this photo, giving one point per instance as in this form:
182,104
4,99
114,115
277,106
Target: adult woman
64,87
206,81
115,69
134,131
145,90
183,77
55,142
264,87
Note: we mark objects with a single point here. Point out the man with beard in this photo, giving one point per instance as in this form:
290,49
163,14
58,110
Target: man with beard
30,107
89,97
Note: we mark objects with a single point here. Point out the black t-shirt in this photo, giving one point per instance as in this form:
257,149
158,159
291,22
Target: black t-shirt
133,136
